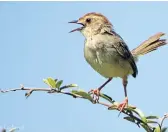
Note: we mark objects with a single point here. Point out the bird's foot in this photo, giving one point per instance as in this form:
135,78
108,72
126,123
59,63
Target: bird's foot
122,105
95,94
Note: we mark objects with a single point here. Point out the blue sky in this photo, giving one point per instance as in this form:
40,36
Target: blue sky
35,44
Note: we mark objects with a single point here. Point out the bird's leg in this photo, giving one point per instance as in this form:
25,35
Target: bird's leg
124,104
97,91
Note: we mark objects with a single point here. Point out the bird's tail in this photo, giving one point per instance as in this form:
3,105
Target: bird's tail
149,45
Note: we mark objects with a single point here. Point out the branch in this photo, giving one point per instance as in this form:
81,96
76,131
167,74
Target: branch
163,118
132,113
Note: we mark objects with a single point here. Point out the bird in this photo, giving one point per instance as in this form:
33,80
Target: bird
108,54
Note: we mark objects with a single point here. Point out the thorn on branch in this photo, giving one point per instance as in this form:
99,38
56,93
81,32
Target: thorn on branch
28,93
21,86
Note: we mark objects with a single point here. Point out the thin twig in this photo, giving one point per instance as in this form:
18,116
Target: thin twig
102,103
163,118
60,90
25,88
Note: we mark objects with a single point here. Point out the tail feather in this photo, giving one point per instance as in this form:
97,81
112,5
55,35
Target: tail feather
153,43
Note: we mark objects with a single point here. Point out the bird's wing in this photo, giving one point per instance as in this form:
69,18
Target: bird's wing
123,50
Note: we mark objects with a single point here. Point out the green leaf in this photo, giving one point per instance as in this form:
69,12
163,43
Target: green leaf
157,129
58,84
152,117
68,86
72,85
83,94
164,129
46,81
50,82
55,80
150,121
140,113
106,97
129,119
146,128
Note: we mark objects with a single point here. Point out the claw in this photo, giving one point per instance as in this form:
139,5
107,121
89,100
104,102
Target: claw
122,105
95,94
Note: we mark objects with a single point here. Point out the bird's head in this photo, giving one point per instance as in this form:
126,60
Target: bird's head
92,24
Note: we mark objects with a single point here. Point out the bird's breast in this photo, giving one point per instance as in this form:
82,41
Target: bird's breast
107,63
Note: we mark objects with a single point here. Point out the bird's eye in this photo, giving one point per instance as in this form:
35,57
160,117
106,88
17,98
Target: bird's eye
88,20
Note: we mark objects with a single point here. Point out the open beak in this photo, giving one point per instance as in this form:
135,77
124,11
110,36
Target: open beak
77,29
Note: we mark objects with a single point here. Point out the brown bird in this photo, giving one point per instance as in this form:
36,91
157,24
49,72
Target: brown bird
108,54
